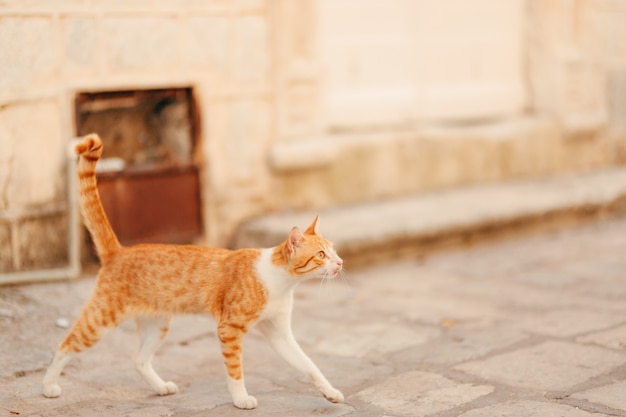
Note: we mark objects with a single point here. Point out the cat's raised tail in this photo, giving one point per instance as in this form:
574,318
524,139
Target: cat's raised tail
90,150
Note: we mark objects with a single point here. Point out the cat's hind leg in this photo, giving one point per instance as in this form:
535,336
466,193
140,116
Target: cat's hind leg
86,331
152,331
51,388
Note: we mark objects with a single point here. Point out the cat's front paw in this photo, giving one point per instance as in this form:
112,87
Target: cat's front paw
168,388
333,395
51,390
246,403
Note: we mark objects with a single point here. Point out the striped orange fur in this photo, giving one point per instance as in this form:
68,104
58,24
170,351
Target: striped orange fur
151,283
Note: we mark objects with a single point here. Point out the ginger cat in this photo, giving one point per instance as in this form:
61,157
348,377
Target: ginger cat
152,282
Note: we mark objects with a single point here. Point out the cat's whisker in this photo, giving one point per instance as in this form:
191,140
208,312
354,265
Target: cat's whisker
319,287
325,279
345,277
329,283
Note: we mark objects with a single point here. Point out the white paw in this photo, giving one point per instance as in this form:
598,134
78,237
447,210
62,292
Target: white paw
246,403
51,390
333,395
168,388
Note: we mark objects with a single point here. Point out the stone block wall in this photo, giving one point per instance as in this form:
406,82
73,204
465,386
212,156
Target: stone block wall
269,142
52,50
570,117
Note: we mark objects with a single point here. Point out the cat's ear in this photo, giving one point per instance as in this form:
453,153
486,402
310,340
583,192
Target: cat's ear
312,230
294,239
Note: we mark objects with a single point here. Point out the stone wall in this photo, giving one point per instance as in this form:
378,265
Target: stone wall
570,119
51,50
269,140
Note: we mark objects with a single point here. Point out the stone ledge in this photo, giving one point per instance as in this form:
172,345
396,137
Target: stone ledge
321,151
302,155
407,226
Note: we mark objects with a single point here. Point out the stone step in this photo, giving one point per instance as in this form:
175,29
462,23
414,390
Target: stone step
368,232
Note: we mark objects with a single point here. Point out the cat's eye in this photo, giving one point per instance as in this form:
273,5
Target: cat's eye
321,254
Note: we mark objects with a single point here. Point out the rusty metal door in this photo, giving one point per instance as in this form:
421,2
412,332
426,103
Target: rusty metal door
148,178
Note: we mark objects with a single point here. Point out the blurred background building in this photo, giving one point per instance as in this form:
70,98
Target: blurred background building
215,112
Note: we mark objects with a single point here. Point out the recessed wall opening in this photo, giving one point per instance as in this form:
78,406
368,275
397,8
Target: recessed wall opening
148,177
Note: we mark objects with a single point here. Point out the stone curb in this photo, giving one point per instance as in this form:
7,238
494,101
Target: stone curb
386,227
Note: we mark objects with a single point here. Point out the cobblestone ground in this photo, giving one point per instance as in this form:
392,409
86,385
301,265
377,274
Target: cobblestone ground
528,327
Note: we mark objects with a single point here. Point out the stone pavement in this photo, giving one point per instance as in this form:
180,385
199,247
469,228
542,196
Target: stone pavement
532,326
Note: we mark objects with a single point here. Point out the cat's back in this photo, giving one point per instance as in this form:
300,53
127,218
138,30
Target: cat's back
173,252
166,278
154,260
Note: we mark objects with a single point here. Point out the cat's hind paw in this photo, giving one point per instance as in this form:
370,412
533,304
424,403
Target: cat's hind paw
333,395
246,403
51,390
168,388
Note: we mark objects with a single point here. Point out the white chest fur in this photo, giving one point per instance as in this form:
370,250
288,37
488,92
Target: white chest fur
279,285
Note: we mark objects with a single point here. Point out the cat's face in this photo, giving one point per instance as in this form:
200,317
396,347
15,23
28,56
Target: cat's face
312,256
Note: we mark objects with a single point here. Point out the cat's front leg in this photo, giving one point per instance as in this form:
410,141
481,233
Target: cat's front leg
278,333
238,391
231,338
